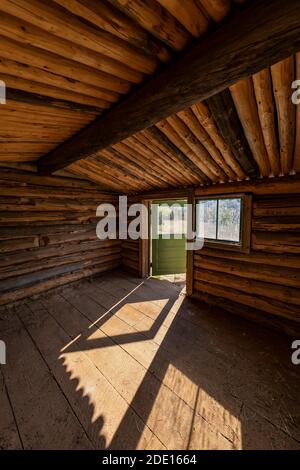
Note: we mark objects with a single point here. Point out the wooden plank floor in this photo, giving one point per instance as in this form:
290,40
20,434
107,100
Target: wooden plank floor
120,363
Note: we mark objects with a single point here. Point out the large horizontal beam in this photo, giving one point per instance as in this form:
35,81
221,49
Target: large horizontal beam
261,35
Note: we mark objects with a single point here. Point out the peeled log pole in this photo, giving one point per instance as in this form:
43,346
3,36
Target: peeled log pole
155,19
271,32
178,141
266,111
203,114
217,9
245,103
115,22
158,138
189,14
283,76
204,159
190,120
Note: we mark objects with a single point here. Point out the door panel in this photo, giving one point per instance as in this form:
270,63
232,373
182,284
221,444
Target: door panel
168,237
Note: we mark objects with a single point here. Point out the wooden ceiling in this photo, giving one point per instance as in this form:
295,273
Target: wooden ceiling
250,130
65,62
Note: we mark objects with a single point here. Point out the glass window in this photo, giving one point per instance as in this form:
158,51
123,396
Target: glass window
207,219
229,216
172,218
219,219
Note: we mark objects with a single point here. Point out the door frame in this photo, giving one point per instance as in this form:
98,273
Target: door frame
144,246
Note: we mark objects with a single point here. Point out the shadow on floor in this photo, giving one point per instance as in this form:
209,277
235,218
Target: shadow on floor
234,378
141,366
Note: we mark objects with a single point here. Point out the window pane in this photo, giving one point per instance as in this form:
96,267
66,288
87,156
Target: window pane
172,219
229,219
207,219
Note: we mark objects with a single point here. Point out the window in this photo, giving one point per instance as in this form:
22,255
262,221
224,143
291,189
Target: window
224,221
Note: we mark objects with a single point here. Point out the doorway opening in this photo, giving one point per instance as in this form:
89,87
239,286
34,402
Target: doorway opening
168,228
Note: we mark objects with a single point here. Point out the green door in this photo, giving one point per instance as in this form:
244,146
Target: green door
168,228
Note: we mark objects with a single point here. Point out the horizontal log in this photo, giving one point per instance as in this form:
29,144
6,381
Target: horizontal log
258,187
279,212
38,253
286,260
282,276
51,28
56,239
149,15
276,242
262,186
39,276
38,99
33,265
128,246
11,218
18,244
288,223
289,295
19,231
209,68
56,282
134,267
276,201
275,307
46,192
132,257
35,179
52,251
115,22
38,205
290,327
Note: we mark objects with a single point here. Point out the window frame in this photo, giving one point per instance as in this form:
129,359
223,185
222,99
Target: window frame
245,223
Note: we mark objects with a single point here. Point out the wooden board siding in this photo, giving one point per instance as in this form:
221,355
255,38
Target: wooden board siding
48,233
265,284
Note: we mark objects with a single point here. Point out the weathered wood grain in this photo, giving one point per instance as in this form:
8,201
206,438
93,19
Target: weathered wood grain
208,71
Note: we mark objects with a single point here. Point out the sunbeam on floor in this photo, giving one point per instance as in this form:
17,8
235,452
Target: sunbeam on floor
117,363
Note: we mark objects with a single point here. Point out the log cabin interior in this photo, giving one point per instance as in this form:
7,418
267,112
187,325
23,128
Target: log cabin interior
158,100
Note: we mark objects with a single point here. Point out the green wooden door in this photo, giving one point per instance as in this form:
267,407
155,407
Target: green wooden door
168,237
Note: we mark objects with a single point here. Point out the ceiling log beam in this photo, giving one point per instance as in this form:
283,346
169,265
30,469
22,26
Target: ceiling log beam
263,34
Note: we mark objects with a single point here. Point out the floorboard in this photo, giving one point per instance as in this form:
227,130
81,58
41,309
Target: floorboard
120,363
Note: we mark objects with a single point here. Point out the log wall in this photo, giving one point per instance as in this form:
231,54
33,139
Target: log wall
262,285
130,256
265,284
48,233
130,249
